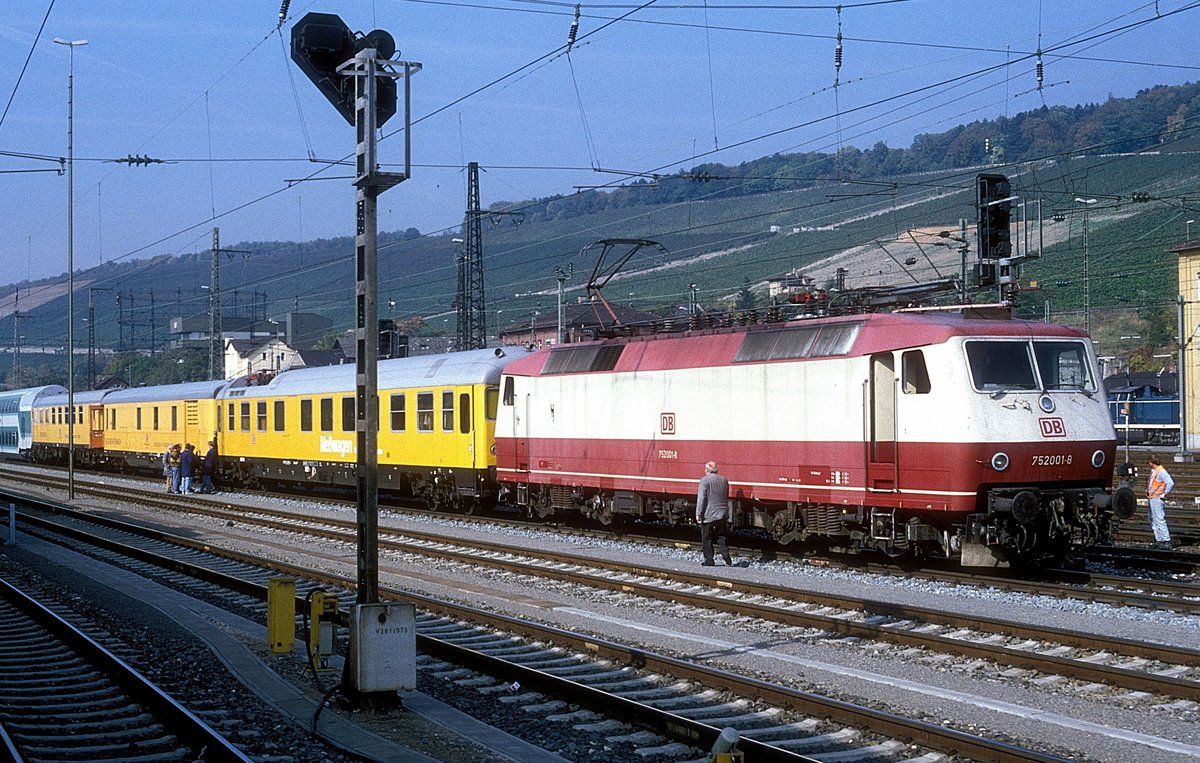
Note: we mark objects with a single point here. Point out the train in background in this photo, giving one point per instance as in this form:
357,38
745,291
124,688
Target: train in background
968,436
1144,407
16,417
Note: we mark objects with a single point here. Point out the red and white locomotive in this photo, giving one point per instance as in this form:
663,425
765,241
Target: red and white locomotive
935,433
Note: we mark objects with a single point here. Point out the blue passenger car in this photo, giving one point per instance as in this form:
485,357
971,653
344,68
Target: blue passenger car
16,422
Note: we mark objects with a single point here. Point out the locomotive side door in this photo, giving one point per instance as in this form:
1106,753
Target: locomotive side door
880,414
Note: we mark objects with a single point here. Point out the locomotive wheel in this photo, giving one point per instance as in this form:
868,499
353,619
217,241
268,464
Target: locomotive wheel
542,507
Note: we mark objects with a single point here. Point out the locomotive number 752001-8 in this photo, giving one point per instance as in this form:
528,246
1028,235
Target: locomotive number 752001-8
1055,459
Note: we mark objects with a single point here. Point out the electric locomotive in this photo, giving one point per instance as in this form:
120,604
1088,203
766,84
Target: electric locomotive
977,438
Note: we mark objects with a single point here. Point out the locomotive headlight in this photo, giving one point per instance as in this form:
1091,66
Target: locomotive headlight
1098,459
1000,462
1046,403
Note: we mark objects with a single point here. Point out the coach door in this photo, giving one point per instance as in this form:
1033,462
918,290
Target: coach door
96,426
880,412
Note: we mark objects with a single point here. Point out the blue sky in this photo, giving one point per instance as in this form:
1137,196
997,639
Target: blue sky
209,88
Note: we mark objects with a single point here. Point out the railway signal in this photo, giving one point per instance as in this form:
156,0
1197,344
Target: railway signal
322,43
995,214
358,76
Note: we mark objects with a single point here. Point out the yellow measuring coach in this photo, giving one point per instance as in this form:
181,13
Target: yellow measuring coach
437,422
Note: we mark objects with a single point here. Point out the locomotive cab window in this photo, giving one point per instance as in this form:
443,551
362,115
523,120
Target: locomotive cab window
997,366
1064,365
510,394
915,376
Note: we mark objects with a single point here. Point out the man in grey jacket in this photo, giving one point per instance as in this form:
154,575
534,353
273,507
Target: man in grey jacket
712,513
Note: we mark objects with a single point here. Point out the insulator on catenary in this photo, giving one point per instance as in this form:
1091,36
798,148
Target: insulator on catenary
574,29
1041,71
283,11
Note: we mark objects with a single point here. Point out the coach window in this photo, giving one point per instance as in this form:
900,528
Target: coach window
245,415
347,414
156,418
260,415
232,419
398,413
139,417
464,413
327,414
447,411
306,415
112,418
279,416
491,403
915,374
174,418
424,411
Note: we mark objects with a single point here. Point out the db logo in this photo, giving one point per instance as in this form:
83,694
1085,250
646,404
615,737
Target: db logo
1053,427
666,423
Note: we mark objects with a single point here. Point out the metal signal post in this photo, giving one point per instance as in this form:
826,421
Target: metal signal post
356,74
370,182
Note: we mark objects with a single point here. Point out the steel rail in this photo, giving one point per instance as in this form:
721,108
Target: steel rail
205,743
1112,675
913,730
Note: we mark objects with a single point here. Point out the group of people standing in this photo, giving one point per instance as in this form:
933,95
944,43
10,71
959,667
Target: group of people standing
181,465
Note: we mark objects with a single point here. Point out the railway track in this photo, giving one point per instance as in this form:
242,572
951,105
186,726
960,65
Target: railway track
54,677
1153,587
560,676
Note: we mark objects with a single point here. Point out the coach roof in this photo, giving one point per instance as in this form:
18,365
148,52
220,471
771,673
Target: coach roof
202,390
468,367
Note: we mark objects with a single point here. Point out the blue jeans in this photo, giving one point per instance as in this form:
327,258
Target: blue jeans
185,485
175,477
206,485
1158,521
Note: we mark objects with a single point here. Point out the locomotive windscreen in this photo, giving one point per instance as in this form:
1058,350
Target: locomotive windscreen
1000,365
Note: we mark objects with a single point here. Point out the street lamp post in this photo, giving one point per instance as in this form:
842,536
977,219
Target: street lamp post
71,45
1087,282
